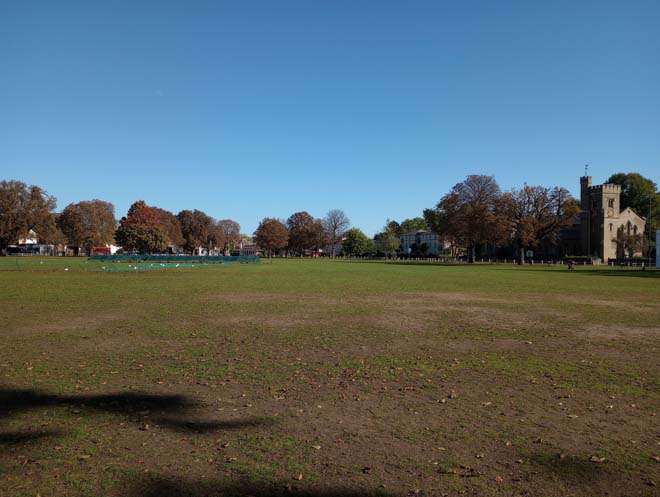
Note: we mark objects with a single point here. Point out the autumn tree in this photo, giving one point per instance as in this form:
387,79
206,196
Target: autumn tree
271,235
141,229
357,243
198,229
231,232
302,235
336,223
318,235
469,213
88,223
172,227
24,208
536,214
217,236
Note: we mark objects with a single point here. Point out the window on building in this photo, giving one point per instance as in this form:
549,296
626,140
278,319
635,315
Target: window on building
610,227
635,230
610,203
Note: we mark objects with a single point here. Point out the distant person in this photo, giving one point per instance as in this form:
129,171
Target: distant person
571,265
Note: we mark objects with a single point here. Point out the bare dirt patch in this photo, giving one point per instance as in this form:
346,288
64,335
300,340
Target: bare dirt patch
617,331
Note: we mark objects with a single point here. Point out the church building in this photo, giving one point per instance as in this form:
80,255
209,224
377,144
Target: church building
607,231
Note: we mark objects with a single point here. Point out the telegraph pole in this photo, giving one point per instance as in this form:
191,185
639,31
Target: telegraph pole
648,221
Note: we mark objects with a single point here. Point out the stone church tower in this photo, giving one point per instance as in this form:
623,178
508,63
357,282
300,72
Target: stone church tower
605,229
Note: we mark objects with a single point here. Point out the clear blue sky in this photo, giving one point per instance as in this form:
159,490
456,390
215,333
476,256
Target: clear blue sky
263,108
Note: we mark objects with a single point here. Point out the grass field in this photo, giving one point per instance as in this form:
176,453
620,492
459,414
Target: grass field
328,378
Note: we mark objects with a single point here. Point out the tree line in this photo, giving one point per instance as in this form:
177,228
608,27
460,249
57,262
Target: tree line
476,213
151,229
85,224
473,214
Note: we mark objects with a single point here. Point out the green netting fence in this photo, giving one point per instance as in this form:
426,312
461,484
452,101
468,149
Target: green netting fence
162,265
201,259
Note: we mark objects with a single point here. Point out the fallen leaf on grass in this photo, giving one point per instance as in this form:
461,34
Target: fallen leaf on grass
597,459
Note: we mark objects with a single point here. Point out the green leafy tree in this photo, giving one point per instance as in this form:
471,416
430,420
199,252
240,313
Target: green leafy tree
24,208
641,195
393,227
636,192
357,243
388,241
439,223
144,239
414,225
88,223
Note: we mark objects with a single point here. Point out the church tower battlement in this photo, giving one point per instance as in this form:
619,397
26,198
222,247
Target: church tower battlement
606,188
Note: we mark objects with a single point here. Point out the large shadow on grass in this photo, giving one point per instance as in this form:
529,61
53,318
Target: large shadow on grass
630,273
586,477
411,263
174,412
163,487
21,438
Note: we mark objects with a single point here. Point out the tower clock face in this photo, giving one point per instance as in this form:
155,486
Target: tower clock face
610,213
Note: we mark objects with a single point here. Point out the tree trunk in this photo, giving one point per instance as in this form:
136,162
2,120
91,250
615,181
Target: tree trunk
521,256
472,250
